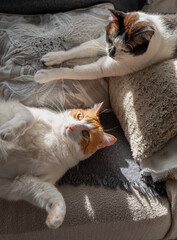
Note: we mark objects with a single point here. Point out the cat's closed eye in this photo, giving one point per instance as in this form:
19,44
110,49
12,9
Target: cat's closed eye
124,50
86,134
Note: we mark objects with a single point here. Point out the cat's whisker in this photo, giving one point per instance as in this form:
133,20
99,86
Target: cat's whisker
47,104
100,46
101,49
57,108
41,89
105,110
60,108
110,129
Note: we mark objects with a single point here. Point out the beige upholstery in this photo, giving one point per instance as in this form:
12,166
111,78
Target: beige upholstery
171,186
95,213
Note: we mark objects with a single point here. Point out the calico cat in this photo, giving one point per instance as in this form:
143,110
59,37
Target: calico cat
37,148
132,42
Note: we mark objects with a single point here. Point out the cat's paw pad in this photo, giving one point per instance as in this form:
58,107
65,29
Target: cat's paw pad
52,58
41,76
56,216
7,134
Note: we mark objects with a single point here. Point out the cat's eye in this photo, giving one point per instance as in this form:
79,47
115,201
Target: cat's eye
80,116
123,50
85,134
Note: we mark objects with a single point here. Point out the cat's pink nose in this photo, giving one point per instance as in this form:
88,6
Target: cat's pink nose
70,127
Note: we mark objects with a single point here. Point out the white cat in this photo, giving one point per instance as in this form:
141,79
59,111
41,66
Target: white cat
132,42
38,146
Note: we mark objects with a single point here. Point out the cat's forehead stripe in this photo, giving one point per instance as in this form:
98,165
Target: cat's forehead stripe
89,115
130,22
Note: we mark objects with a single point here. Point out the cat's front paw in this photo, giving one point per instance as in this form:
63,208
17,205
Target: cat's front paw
7,134
56,215
53,58
41,76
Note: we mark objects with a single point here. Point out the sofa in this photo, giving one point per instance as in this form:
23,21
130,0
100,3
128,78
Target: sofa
94,211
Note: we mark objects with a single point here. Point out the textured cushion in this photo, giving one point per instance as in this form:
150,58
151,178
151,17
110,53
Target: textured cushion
92,213
146,106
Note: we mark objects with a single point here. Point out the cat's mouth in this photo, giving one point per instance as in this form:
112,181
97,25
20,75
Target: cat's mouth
68,131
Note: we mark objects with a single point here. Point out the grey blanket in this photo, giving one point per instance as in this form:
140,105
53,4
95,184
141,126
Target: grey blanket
23,40
113,166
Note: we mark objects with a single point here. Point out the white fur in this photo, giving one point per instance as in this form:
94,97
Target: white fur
36,150
161,47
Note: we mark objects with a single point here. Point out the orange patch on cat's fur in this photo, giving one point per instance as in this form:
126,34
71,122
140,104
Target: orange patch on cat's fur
113,28
96,133
130,24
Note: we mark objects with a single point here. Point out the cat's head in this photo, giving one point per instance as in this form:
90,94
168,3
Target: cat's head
128,34
84,128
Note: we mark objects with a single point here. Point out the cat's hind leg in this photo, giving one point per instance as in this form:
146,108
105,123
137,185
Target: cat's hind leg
92,48
37,192
20,120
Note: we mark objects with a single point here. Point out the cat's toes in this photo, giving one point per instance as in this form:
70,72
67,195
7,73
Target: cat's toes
41,76
7,134
56,216
52,58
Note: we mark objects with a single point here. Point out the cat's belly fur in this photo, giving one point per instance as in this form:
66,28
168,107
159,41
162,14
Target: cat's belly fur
23,164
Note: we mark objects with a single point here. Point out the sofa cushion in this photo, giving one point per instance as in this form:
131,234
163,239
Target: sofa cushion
145,103
92,213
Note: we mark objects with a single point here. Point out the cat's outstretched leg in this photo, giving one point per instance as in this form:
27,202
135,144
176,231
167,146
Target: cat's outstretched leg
37,192
21,120
103,67
91,48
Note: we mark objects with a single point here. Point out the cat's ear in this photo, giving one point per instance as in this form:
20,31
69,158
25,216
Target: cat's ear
117,14
139,40
144,34
107,140
97,108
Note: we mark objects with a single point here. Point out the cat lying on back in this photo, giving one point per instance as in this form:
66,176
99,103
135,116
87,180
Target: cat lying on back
132,42
38,146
